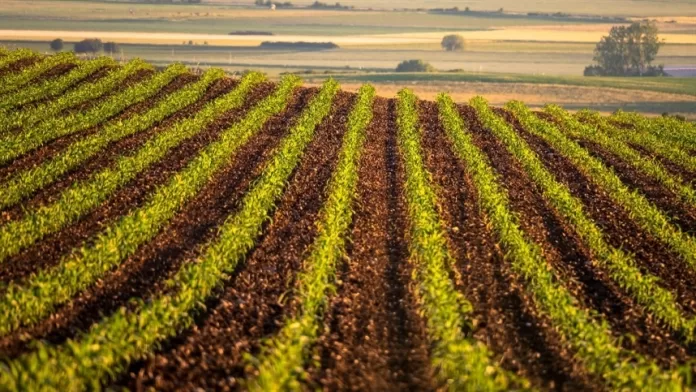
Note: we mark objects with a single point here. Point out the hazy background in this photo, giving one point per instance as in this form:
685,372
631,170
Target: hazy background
530,50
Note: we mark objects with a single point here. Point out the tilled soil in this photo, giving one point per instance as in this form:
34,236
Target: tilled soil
18,65
651,338
253,304
49,150
48,252
373,338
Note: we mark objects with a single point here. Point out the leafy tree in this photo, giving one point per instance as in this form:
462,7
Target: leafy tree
414,66
92,45
111,47
627,51
453,42
57,45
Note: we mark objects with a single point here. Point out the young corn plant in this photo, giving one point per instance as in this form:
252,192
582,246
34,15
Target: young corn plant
590,337
55,86
30,180
670,130
27,117
15,145
612,141
77,271
462,363
284,356
105,351
649,217
14,56
18,80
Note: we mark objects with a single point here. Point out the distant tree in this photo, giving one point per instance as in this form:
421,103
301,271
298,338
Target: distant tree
453,43
56,45
414,66
92,45
628,51
111,47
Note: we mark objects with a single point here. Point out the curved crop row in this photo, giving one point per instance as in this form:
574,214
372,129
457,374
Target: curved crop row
32,179
651,142
86,195
590,339
285,355
645,213
677,132
611,140
13,146
20,79
621,266
14,56
462,362
84,93
55,86
79,270
110,345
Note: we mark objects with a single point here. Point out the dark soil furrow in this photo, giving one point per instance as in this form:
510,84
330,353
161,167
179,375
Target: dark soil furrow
667,201
601,292
87,80
143,274
19,65
374,339
42,154
689,177
54,72
505,317
252,304
131,80
49,251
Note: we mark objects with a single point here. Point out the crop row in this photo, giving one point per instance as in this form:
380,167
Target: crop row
24,183
20,79
16,55
109,346
78,270
645,213
591,339
13,146
681,134
286,353
84,93
53,87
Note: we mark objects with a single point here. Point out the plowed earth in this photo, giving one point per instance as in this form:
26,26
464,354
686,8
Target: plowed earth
373,336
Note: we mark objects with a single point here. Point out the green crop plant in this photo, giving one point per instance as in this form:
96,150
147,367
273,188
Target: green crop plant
284,356
649,217
12,57
671,130
590,337
79,270
110,345
27,117
55,86
20,79
461,362
15,145
30,180
645,289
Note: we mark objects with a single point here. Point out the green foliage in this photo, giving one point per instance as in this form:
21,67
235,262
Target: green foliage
53,87
453,43
461,362
20,79
50,110
110,345
621,267
679,134
414,66
649,217
30,180
590,338
14,56
56,45
15,145
628,50
77,271
284,356
90,45
111,47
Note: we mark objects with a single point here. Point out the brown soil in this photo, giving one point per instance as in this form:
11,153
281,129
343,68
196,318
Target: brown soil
374,339
48,252
56,71
49,150
143,274
18,65
597,289
251,306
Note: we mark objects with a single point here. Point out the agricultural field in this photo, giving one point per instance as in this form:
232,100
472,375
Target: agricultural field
170,229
